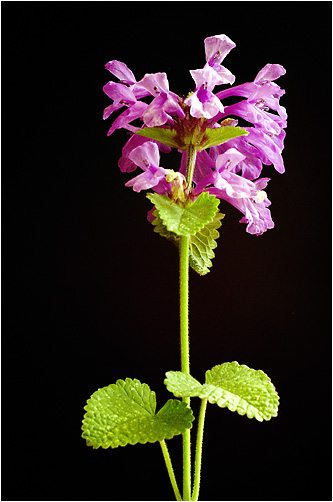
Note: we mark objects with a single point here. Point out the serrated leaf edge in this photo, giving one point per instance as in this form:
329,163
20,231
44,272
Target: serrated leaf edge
217,395
120,384
190,208
208,254
200,266
160,134
209,139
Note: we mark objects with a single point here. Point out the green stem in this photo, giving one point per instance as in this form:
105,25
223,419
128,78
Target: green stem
198,452
184,327
168,464
191,156
184,294
185,356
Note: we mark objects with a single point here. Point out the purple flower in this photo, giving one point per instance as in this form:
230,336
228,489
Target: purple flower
216,49
258,148
125,163
135,111
125,93
230,170
165,102
262,85
125,76
261,96
255,210
121,71
147,157
257,114
247,196
264,143
129,91
202,102
121,95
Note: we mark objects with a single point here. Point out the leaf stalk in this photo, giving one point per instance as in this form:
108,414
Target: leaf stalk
169,467
198,452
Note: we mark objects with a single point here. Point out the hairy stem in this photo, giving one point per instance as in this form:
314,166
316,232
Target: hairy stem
191,156
185,356
184,296
184,327
198,452
168,464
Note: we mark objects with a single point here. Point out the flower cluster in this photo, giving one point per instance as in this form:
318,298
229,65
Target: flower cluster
230,170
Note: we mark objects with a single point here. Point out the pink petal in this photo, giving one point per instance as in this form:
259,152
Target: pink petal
121,71
146,155
217,48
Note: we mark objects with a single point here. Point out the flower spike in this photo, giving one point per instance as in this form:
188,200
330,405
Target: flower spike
229,158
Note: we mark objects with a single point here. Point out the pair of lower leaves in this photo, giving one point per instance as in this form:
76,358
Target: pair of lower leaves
125,412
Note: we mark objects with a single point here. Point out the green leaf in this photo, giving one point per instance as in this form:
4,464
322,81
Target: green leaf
237,387
220,135
202,245
124,413
242,389
165,136
182,384
161,229
188,219
201,140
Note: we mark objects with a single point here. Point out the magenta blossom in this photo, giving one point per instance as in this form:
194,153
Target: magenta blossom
216,49
147,157
165,103
230,170
219,179
203,103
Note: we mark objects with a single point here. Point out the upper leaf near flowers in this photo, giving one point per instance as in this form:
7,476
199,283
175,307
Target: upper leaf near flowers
165,136
124,413
185,219
231,385
201,244
200,137
219,135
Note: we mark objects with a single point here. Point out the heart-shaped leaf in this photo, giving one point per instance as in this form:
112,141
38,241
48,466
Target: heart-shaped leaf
124,413
237,387
201,244
185,219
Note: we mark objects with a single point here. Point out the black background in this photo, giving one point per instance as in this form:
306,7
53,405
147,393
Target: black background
90,293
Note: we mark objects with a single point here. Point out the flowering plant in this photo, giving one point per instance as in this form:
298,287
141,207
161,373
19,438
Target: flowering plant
219,160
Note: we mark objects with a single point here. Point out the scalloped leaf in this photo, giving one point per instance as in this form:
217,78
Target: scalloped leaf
242,389
182,384
124,413
163,135
188,219
237,387
202,245
161,229
219,135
